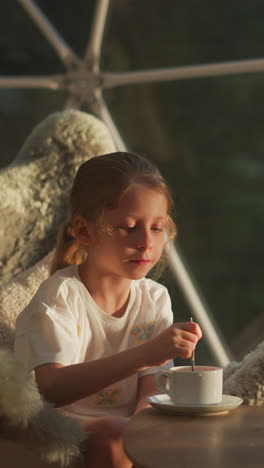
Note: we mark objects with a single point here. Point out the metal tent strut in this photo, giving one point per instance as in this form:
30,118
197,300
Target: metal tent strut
85,82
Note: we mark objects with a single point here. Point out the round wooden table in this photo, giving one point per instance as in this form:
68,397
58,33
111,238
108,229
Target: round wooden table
231,440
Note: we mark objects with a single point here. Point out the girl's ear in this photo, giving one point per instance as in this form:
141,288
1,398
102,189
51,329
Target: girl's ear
82,230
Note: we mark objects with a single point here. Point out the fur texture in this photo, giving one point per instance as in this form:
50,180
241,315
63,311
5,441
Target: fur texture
15,295
34,188
27,417
246,378
33,194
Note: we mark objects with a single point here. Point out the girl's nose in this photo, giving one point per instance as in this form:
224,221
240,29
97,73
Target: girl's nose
144,240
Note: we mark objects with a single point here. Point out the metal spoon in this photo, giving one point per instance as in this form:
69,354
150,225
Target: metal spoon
193,355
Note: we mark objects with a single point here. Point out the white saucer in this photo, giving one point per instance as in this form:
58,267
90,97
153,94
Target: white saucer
164,404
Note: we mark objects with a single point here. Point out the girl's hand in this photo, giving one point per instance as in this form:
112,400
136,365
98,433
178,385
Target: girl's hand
179,339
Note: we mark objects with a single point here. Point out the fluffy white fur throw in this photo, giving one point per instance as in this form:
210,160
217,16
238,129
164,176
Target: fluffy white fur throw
15,295
246,378
27,418
33,198
34,188
33,194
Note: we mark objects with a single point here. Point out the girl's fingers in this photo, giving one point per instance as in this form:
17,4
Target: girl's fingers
179,339
186,337
190,327
184,346
185,354
183,336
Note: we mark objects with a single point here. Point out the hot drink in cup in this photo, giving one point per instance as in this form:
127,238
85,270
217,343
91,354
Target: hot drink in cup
202,386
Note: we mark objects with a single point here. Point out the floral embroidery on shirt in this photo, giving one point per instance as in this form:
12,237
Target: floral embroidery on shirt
142,332
78,329
108,397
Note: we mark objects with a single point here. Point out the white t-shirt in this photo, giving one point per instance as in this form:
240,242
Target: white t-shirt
62,324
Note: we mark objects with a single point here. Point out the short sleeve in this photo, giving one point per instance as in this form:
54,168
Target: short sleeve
46,333
163,320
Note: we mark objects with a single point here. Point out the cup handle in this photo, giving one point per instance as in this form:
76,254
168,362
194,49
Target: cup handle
157,382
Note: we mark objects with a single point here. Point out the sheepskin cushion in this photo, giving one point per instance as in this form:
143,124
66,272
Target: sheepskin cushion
25,417
16,294
34,188
33,196
246,378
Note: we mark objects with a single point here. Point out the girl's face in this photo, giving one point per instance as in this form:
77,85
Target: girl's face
130,240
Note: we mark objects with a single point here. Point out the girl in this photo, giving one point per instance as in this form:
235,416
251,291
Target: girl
96,331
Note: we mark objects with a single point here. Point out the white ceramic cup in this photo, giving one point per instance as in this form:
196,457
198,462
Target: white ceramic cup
203,386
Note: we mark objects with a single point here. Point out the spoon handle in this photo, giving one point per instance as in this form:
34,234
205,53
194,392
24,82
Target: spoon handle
193,355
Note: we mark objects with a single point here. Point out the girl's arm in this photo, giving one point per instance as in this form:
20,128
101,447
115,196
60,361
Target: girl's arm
63,385
146,388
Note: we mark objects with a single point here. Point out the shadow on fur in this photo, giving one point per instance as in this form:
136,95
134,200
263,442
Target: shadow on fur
25,416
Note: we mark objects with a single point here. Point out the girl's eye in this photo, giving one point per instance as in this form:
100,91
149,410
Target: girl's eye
128,228
157,229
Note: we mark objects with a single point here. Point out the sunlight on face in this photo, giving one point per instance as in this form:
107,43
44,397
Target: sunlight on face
131,236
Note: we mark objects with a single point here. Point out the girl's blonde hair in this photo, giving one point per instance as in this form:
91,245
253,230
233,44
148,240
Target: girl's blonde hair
100,182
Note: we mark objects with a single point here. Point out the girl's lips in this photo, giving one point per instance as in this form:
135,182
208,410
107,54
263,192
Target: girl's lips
141,261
